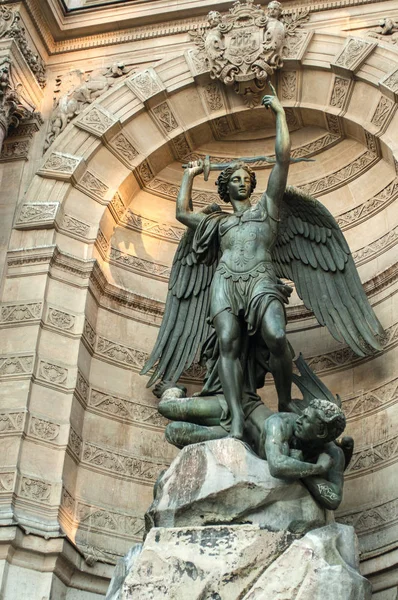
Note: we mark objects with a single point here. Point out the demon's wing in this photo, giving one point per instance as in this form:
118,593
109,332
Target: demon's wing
311,250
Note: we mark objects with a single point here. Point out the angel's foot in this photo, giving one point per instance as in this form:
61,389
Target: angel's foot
237,427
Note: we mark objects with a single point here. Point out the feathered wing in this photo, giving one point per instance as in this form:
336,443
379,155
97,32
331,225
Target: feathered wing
184,326
312,251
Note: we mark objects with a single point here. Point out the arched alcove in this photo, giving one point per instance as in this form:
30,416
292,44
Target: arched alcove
104,235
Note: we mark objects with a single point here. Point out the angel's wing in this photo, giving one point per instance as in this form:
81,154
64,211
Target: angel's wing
311,250
184,326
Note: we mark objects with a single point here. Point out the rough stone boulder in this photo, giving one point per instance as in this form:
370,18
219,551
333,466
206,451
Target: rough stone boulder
244,562
323,565
223,481
198,563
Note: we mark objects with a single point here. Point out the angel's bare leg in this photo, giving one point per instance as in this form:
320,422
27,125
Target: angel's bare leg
273,330
202,411
230,369
182,434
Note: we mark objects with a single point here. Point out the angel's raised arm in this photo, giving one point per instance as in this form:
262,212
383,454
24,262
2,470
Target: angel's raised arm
184,210
272,198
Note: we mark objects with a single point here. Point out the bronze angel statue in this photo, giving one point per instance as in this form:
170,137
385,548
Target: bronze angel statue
226,294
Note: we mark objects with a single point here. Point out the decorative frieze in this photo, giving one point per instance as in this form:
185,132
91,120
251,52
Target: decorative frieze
11,422
322,143
213,96
42,429
88,334
383,113
68,503
75,226
372,142
145,84
340,177
20,313
121,464
344,357
196,62
93,186
375,456
35,490
124,149
16,366
93,554
374,249
52,373
334,124
292,119
318,187
164,116
125,410
36,215
372,518
14,150
82,385
352,56
163,231
7,482
123,355
296,47
97,121
97,519
144,172
145,267
62,166
60,319
340,92
307,150
389,85
180,146
222,126
288,85
75,444
370,207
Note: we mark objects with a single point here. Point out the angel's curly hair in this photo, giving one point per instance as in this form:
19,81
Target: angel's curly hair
331,415
224,177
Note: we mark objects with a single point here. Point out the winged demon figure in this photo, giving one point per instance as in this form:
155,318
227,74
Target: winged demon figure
226,294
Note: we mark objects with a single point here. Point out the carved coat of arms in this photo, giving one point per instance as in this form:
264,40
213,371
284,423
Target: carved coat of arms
244,47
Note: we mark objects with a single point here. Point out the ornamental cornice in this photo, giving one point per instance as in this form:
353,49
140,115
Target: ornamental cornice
60,25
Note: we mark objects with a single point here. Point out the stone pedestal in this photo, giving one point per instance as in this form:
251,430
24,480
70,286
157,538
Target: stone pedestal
247,563
221,528
223,481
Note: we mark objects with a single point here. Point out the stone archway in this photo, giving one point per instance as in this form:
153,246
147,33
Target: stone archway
90,310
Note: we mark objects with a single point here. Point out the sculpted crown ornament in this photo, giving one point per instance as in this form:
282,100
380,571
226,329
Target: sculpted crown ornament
244,47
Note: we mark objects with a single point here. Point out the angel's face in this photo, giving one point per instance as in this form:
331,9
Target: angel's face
309,426
239,185
274,10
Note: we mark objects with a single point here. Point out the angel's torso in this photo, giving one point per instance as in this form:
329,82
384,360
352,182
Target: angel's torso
246,239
